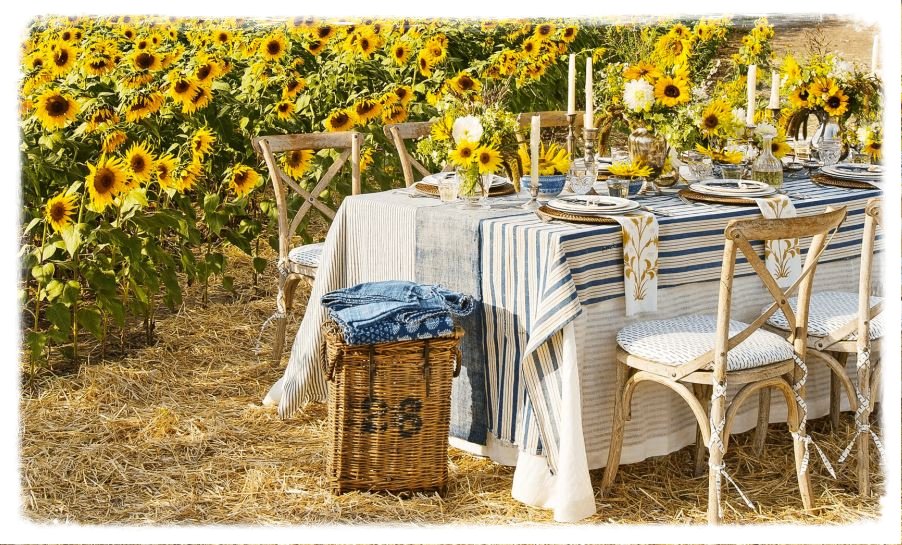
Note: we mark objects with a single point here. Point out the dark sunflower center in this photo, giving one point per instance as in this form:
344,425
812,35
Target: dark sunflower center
37,62
834,102
241,178
423,63
104,179
364,44
182,86
283,107
98,64
138,164
204,71
295,158
365,107
200,95
162,171
57,106
58,211
803,94
129,34
569,32
399,52
292,85
61,57
711,121
876,146
144,60
676,47
142,44
484,157
340,119
401,93
672,91
324,31
528,47
66,36
223,37
273,47
466,153
544,30
315,45
465,83
102,116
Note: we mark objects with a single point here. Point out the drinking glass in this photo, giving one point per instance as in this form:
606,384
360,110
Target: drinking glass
618,187
619,155
829,151
802,150
733,172
447,189
701,166
581,176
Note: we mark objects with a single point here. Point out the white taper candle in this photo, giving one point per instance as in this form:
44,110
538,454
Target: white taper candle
571,85
534,136
875,56
750,95
774,90
588,120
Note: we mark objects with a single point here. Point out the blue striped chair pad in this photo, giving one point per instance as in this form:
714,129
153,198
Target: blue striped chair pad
682,339
831,310
308,255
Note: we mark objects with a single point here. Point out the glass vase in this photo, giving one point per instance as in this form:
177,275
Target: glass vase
767,168
648,147
473,187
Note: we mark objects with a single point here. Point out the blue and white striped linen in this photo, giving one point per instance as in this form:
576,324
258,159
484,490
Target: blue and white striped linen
537,277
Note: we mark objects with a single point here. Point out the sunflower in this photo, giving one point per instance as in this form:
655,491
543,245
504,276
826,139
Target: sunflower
34,61
182,88
324,32
199,100
463,84
464,154
424,63
394,113
544,30
274,46
112,141
285,110
714,117
367,43
207,70
296,162
164,168
633,169
56,110
404,94
400,53
189,176
136,81
71,35
367,109
531,47
568,33
837,103
222,36
140,162
340,120
142,106
488,159
644,70
243,180
59,211
673,49
874,148
62,57
101,117
721,156
105,180
822,88
553,160
293,86
316,46
779,147
800,97
146,60
672,91
202,142
366,159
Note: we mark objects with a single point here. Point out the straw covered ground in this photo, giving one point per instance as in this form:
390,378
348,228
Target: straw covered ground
175,433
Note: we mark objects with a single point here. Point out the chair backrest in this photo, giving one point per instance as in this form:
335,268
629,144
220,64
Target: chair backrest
739,235
349,145
866,312
555,118
397,133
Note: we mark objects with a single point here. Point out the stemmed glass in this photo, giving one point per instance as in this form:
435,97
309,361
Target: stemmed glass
581,176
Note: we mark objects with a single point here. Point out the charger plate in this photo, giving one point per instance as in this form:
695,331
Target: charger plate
575,218
823,179
716,199
496,191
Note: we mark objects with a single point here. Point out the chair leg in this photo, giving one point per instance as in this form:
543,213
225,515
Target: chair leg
760,436
864,439
703,393
617,429
284,299
716,452
803,478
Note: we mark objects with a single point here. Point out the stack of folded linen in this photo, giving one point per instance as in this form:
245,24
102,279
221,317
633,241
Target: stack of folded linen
378,312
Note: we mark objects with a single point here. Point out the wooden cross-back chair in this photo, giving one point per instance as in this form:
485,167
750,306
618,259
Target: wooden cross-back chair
297,263
831,343
696,356
398,133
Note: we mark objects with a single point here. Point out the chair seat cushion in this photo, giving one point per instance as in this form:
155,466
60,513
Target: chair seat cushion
831,310
308,255
679,340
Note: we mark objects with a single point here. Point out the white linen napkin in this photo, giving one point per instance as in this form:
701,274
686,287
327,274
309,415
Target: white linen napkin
640,261
782,257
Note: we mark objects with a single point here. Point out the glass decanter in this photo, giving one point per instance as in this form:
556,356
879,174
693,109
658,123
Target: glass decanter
767,168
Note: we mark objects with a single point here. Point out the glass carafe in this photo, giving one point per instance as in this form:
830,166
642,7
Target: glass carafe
767,168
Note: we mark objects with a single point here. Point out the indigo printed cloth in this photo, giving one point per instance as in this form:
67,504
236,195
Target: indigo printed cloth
377,312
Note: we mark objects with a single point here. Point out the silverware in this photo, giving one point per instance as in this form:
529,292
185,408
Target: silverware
793,195
695,203
656,211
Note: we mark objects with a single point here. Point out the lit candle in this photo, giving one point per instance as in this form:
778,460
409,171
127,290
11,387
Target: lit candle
750,92
588,120
571,85
534,150
875,55
774,90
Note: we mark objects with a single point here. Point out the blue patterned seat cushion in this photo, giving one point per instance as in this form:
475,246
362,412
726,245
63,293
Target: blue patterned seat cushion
679,340
308,255
831,310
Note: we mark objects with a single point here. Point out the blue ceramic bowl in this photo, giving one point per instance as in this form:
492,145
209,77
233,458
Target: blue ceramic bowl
549,186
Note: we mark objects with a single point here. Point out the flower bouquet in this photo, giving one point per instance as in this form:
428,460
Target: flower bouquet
554,163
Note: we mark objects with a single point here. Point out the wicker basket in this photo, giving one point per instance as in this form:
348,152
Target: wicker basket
389,412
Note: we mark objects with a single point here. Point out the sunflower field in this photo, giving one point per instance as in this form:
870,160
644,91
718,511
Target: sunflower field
137,168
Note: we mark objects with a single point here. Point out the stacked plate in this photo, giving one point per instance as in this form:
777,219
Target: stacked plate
434,179
854,172
593,205
733,188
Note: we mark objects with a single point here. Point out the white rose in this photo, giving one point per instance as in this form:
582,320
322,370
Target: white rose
766,129
638,95
466,128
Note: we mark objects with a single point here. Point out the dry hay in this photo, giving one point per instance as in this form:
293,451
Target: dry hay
175,433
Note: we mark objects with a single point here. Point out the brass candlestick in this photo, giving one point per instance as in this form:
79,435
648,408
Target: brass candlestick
571,136
589,136
749,139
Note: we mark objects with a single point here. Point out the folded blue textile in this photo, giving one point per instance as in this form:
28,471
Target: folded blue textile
395,310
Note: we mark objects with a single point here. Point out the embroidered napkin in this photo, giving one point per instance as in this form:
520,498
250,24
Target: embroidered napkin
640,261
782,257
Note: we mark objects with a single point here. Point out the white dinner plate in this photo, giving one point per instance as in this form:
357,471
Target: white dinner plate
434,179
593,205
851,173
732,188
